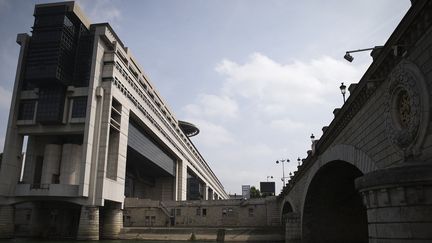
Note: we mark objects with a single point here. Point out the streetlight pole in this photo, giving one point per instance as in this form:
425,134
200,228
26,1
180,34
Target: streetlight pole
282,161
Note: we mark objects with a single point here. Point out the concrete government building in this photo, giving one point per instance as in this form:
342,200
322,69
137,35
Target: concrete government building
95,131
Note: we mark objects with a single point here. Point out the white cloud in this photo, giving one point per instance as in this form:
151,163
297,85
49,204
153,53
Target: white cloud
212,135
272,84
102,11
287,125
213,106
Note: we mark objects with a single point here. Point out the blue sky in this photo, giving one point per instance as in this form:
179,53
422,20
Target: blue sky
257,77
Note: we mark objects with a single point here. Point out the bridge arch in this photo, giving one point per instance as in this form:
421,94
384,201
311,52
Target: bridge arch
344,160
286,209
333,210
340,152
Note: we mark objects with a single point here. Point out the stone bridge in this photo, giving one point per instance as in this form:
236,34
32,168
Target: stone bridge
369,177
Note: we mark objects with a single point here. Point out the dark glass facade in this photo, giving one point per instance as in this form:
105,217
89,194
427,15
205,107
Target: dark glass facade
79,107
51,105
26,109
59,55
194,188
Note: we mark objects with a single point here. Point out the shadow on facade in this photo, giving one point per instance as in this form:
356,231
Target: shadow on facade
47,219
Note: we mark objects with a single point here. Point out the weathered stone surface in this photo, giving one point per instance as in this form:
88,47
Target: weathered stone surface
88,228
6,221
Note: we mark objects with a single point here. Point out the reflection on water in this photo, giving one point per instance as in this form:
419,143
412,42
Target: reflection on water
102,241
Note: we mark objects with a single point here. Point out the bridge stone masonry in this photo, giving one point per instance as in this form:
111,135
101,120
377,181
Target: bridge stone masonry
369,177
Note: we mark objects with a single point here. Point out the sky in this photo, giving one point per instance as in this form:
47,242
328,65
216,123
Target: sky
256,77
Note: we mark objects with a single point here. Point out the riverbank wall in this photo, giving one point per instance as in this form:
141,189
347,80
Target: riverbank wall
260,212
239,220
240,234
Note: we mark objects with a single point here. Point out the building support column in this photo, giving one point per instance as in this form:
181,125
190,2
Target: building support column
205,192
181,181
112,223
399,203
88,228
6,221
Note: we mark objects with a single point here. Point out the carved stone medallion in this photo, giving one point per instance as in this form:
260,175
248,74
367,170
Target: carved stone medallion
404,107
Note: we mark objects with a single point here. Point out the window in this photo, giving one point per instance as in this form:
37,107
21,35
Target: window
224,212
50,105
251,212
178,212
153,220
26,110
204,212
79,107
198,211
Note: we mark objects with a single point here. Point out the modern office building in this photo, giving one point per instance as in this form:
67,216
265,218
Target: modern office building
94,130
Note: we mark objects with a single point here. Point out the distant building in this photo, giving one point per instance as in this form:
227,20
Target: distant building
267,188
246,191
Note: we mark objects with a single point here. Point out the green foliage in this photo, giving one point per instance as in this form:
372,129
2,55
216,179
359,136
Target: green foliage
255,193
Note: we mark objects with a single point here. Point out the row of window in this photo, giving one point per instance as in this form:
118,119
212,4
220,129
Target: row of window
225,212
27,108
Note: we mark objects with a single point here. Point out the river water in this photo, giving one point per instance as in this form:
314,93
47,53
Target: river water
101,241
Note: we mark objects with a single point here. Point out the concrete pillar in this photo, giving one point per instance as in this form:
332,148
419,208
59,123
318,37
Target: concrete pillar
6,221
12,152
205,192
88,228
112,223
292,228
181,184
51,163
399,203
70,164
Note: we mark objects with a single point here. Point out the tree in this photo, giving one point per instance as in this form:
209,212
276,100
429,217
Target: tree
255,193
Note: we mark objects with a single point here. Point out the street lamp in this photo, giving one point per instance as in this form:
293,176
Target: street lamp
269,177
299,161
312,137
343,91
282,161
350,58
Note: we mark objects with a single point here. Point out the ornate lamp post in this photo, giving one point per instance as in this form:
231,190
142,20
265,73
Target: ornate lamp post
282,161
343,91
